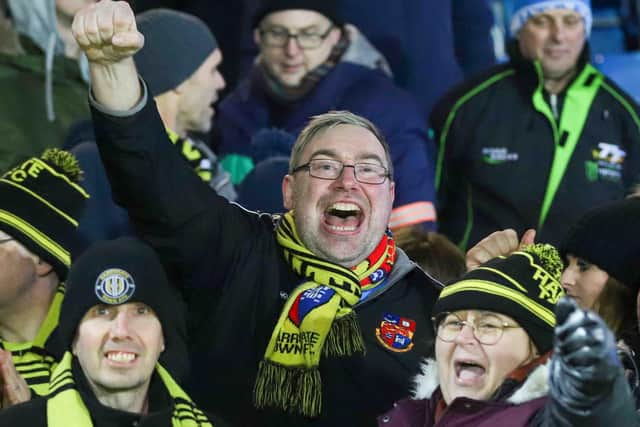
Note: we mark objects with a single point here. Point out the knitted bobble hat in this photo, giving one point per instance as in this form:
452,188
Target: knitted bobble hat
525,286
41,202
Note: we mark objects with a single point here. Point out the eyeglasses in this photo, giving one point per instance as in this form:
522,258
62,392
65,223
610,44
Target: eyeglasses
8,239
279,37
487,329
365,173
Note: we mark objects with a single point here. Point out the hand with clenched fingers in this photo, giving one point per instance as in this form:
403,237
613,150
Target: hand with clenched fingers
106,31
499,243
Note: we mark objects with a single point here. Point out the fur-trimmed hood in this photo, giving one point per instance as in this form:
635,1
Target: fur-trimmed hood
536,385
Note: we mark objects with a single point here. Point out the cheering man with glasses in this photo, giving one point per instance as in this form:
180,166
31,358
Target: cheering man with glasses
314,317
311,62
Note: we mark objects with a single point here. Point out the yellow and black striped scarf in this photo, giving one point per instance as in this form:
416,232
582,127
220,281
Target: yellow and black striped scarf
31,360
318,318
65,407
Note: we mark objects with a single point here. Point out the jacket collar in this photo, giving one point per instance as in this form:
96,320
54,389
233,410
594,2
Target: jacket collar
536,385
530,71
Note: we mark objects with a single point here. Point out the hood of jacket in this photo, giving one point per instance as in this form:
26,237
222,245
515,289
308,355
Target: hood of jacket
37,20
536,385
362,52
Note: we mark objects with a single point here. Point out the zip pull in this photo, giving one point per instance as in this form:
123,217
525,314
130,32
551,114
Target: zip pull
553,99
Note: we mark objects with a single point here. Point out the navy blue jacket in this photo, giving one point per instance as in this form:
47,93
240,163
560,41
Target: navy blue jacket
358,89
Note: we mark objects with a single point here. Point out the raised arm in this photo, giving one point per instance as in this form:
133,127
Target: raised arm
107,33
170,207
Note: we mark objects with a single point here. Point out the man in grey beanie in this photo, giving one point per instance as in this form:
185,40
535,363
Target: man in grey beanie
180,62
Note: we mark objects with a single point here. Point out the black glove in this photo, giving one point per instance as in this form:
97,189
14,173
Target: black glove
585,363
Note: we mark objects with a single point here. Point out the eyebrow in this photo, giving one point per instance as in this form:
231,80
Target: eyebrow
359,158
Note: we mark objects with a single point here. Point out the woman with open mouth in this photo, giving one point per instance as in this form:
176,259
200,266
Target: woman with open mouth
511,350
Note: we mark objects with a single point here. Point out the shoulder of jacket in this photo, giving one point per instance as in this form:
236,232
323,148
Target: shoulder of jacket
461,93
621,97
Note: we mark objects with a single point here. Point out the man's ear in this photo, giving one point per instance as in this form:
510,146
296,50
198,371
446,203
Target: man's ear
73,345
287,191
256,37
43,268
334,35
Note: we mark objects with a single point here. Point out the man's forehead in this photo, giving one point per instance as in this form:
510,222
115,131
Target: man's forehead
343,140
296,18
4,235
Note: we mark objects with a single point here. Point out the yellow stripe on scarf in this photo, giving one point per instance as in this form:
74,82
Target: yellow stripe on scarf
65,407
317,319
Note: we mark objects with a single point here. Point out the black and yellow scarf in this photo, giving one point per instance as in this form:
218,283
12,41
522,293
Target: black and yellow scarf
318,318
65,407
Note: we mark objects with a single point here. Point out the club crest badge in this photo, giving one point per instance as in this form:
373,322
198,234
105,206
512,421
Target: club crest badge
308,301
114,286
396,333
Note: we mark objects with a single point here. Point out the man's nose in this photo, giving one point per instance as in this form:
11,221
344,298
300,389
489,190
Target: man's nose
292,47
558,31
347,177
120,325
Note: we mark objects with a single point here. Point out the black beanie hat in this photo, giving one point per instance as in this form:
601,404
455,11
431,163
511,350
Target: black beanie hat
328,8
523,285
609,237
41,203
115,272
176,44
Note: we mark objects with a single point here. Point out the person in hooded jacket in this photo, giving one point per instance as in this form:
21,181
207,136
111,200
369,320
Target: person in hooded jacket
511,350
311,62
44,83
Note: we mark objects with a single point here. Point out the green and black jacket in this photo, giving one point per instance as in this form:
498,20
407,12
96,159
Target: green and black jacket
31,359
511,155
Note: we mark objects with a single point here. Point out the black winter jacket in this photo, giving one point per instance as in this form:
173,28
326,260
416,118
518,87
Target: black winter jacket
505,151
236,281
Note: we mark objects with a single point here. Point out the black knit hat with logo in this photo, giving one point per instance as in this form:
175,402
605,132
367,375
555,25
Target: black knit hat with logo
40,205
523,285
176,44
115,272
328,8
609,237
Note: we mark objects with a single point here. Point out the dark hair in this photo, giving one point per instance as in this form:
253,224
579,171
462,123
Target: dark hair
433,252
616,304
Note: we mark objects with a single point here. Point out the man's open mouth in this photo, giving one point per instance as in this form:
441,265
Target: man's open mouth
343,217
121,356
